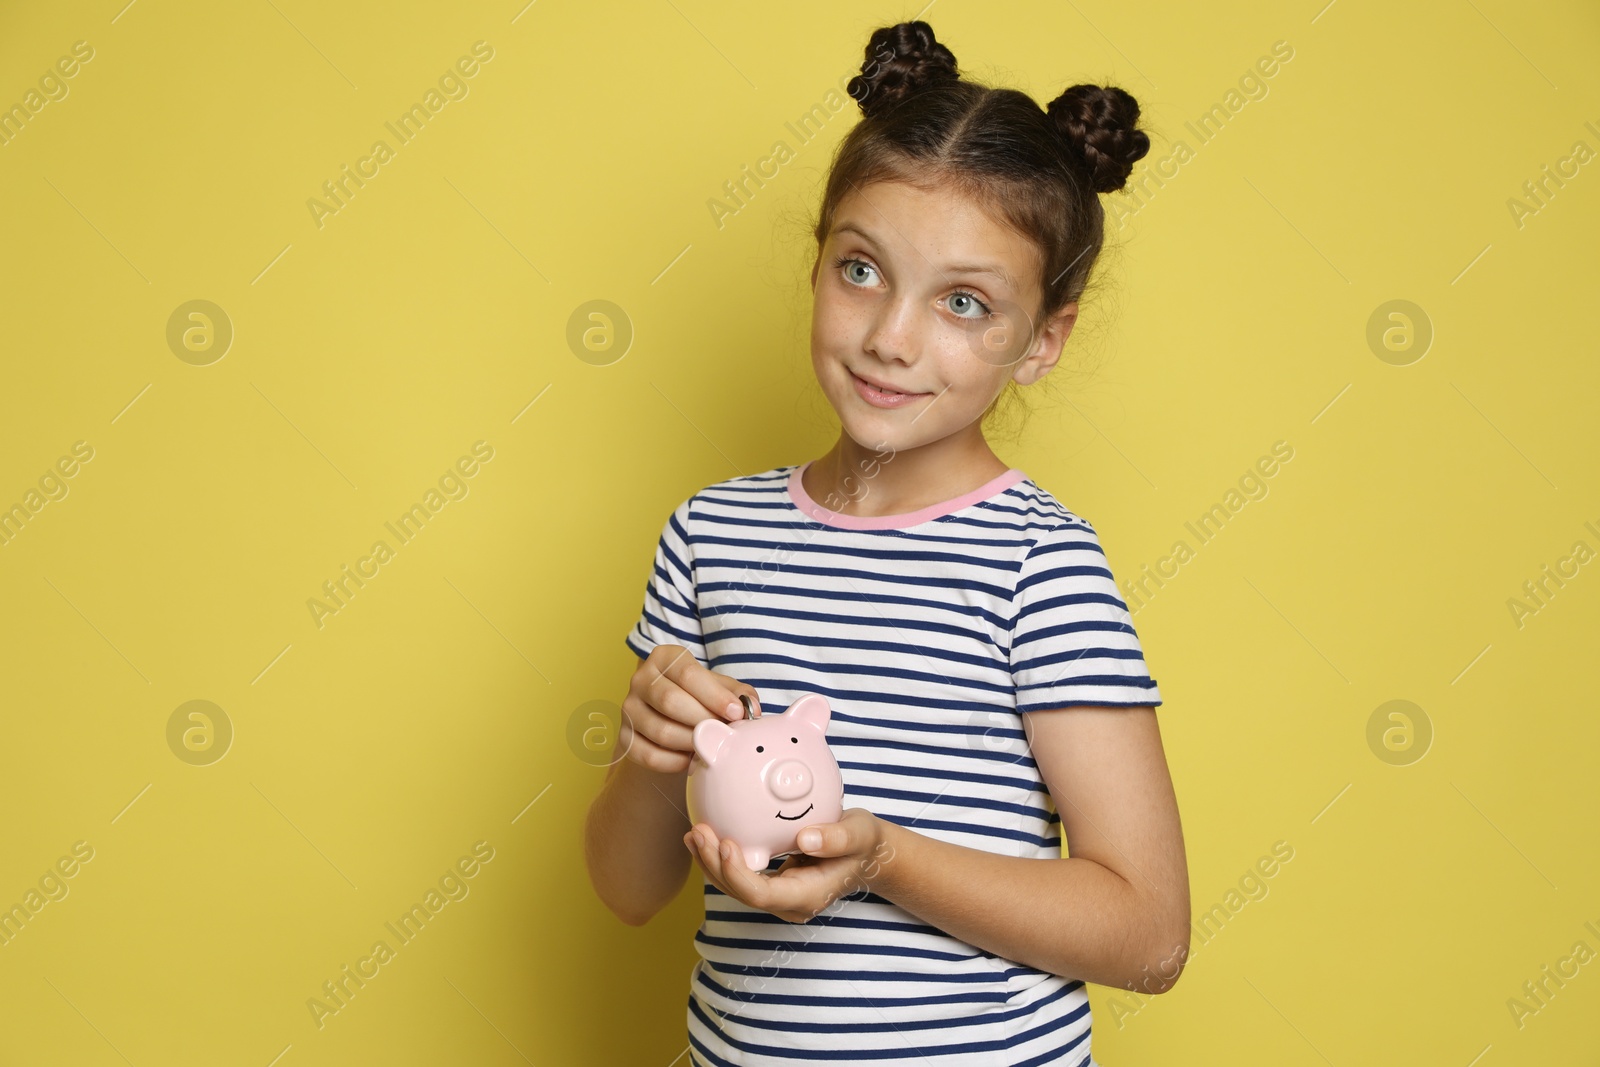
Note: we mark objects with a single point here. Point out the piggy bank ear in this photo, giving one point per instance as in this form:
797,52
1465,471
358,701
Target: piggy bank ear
710,735
811,709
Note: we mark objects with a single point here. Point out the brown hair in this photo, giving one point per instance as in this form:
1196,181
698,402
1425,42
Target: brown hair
1038,170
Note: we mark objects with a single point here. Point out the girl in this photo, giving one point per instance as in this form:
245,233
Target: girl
987,687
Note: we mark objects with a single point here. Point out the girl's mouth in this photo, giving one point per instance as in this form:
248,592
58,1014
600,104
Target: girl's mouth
878,398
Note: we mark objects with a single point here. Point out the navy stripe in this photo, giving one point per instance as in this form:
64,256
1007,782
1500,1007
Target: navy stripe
962,776
768,919
996,997
998,692
866,617
756,944
1025,762
950,800
880,1027
837,978
1102,679
849,597
908,1050
801,643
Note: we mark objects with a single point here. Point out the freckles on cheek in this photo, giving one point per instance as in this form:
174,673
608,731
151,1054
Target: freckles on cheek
831,312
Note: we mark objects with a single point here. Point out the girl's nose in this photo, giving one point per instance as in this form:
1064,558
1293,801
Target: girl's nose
893,334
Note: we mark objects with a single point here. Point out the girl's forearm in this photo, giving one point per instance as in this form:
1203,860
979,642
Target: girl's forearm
633,841
1071,916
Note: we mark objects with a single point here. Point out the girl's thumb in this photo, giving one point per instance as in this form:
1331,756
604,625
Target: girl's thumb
744,705
750,701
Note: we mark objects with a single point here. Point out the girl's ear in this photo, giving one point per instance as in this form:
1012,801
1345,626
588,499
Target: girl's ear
710,735
811,709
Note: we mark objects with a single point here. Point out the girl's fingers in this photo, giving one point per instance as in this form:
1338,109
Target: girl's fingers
727,872
670,695
690,709
664,731
666,715
710,860
639,748
745,884
712,694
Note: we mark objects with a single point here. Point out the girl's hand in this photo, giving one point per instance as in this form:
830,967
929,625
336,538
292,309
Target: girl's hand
669,694
846,859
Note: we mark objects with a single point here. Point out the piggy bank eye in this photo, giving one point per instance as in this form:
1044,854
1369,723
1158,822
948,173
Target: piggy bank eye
760,748
796,740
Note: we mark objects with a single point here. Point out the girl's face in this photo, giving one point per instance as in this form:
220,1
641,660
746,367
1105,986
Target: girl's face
922,292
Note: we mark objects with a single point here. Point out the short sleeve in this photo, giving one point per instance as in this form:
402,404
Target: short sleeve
1072,638
671,613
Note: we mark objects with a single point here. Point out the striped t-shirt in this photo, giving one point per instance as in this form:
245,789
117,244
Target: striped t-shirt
929,633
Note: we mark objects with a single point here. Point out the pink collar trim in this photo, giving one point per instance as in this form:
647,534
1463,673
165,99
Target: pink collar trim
802,500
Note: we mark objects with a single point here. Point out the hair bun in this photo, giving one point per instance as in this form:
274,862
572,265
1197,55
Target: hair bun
1097,122
901,60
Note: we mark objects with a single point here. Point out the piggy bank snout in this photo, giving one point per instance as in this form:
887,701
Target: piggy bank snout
790,780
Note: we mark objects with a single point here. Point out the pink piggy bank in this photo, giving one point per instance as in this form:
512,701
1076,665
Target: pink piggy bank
758,782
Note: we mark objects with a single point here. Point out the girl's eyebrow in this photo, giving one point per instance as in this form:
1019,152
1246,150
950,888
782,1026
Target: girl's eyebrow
993,269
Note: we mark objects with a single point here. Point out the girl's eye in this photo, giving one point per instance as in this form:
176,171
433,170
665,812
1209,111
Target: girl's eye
851,263
963,304
969,302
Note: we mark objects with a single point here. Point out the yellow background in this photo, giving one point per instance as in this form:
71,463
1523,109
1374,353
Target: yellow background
431,312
